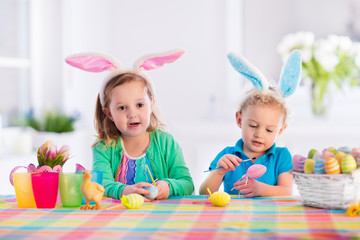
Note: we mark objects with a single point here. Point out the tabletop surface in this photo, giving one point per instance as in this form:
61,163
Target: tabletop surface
188,217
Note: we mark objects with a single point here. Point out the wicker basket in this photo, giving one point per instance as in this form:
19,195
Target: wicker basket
334,191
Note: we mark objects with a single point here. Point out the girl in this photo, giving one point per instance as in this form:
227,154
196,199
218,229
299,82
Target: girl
131,142
262,117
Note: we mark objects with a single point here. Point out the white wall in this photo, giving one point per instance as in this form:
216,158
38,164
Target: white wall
131,29
266,22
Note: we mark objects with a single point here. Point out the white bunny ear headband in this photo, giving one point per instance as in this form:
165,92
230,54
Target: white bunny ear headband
97,62
289,77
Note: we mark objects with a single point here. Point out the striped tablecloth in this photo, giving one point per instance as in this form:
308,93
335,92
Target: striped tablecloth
190,217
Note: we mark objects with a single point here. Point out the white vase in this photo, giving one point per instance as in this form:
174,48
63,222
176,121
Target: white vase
320,101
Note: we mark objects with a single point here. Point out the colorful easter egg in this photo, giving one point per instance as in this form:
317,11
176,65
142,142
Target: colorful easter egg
132,201
301,163
154,192
311,153
345,149
332,166
256,171
339,155
348,163
295,161
355,151
309,165
332,150
326,155
316,156
356,154
319,166
357,159
219,199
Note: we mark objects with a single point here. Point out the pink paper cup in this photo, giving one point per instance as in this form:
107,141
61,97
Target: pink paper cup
45,187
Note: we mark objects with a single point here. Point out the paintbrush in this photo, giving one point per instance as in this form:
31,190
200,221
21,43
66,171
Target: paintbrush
210,170
150,175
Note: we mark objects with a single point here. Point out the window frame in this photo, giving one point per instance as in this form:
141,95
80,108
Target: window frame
29,57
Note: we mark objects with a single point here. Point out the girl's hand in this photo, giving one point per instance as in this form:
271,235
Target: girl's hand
164,190
228,162
136,188
251,189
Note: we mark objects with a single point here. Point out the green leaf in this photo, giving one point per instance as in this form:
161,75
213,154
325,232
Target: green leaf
52,122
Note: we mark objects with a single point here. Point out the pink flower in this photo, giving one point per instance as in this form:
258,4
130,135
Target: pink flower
48,155
51,152
45,146
64,151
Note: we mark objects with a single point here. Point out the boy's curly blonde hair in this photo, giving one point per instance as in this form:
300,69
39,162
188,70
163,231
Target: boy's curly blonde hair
269,98
105,127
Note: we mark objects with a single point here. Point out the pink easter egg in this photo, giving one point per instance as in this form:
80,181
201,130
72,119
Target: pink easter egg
357,159
295,161
355,151
326,155
256,171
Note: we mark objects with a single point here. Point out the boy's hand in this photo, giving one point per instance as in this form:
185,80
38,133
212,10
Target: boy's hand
251,189
228,162
136,188
164,190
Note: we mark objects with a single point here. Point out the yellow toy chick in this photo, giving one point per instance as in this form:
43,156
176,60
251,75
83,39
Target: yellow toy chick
91,191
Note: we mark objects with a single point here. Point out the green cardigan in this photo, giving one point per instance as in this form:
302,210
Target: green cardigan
166,159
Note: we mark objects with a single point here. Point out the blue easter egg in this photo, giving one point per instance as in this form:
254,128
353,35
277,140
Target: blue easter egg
319,166
154,192
345,149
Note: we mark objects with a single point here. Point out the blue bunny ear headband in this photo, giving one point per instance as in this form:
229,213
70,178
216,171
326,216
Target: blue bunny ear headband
289,77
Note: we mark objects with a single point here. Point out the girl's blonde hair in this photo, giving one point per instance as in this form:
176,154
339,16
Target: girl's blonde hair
105,127
269,98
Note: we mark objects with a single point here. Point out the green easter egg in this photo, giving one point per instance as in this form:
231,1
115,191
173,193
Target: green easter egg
311,153
332,150
348,163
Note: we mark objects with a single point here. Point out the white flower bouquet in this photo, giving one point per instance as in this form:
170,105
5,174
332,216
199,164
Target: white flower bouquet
330,63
